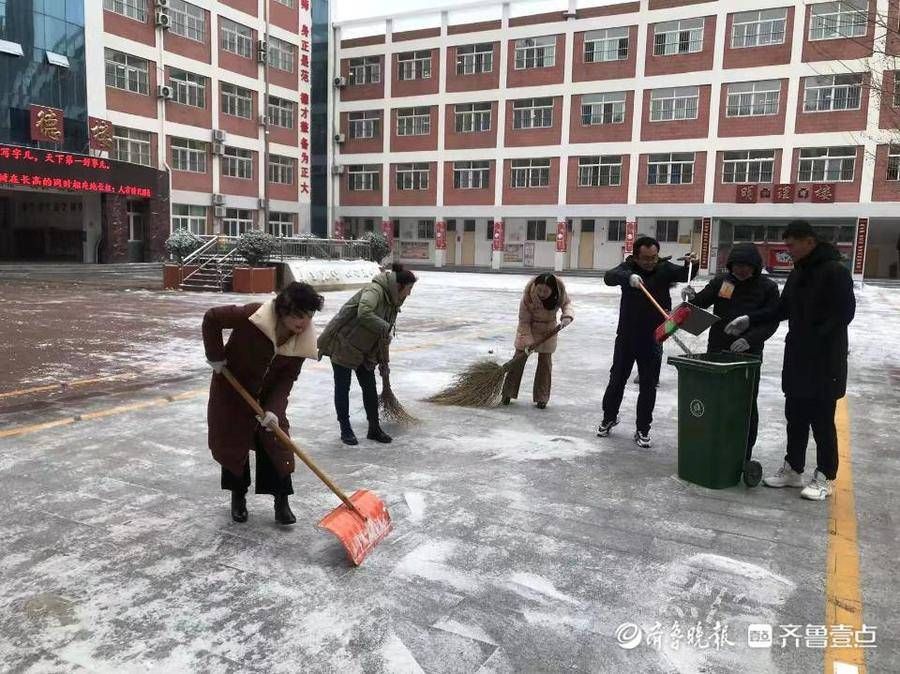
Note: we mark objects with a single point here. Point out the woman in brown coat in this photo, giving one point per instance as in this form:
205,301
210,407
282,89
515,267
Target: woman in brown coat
265,352
544,297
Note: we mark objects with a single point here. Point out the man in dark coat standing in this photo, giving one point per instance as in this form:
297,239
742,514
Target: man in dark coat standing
635,341
743,289
818,303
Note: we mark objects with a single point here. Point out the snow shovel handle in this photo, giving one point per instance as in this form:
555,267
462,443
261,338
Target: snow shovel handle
287,442
665,317
543,339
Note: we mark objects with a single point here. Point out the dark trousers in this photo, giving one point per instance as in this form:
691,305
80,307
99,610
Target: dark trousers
542,379
366,379
818,414
268,481
648,355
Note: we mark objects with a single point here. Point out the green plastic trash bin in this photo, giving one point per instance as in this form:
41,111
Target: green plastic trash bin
715,391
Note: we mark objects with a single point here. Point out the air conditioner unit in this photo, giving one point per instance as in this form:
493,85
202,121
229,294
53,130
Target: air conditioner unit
165,91
261,51
339,137
340,82
163,20
219,211
261,203
218,148
219,135
337,170
218,199
162,4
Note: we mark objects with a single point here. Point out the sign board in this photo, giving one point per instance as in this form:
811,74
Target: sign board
780,259
705,234
440,235
561,236
630,234
859,253
387,228
100,134
46,124
415,250
498,243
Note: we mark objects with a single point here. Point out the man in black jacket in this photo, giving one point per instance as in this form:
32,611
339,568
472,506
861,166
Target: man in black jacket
742,290
818,303
638,319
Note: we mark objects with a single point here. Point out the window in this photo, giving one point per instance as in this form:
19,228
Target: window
131,145
603,108
189,155
469,226
673,104
616,230
842,19
897,88
364,178
610,44
365,70
237,221
280,54
893,168
536,230
425,229
758,29
753,99
189,89
187,20
587,226
286,3
831,164
364,124
667,231
191,218
473,117
832,92
530,173
413,121
474,58
533,113
412,176
236,101
678,37
281,170
281,112
471,175
237,38
414,65
536,52
281,224
133,9
676,168
603,171
749,234
488,229
237,163
748,166
128,73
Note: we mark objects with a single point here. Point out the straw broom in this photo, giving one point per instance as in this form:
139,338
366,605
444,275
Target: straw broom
481,384
391,408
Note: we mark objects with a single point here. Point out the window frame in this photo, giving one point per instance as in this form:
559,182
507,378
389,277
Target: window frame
670,162
893,163
620,226
132,139
607,102
413,122
592,168
129,66
758,21
678,30
281,170
533,113
748,162
540,53
481,61
191,85
471,115
237,221
281,55
233,101
193,220
192,151
758,88
237,163
368,120
138,8
234,40
279,222
602,38
364,178
412,176
667,222
533,170
369,67
832,154
535,230
818,22
472,177
187,21
829,83
680,98
276,112
414,65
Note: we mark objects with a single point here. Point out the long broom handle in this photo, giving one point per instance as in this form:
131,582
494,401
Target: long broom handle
287,442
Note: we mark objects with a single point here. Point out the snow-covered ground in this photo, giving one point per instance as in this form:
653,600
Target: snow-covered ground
522,542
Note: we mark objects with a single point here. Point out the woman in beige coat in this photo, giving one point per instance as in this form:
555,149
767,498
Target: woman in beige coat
544,298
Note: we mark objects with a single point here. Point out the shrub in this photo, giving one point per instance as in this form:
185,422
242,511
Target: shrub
256,247
181,244
379,248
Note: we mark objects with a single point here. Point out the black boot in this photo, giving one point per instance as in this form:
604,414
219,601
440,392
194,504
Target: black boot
283,514
239,506
348,437
375,433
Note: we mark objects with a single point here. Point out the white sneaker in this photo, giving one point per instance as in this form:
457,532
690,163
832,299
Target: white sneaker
785,477
818,489
606,427
642,440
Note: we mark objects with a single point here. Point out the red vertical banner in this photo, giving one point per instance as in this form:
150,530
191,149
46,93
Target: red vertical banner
630,234
387,228
440,235
46,124
338,231
859,254
561,239
705,235
499,240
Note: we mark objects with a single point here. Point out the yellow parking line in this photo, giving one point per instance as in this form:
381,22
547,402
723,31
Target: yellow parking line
843,599
64,384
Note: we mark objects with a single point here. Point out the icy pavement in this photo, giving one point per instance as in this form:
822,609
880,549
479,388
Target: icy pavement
521,543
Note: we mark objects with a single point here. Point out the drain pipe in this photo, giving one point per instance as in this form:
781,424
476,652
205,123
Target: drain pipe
265,107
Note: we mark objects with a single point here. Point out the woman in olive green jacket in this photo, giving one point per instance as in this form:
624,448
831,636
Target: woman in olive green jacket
357,340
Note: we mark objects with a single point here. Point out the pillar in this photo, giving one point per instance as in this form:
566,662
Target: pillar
562,241
440,243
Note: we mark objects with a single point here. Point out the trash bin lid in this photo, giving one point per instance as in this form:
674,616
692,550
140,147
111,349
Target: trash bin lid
724,361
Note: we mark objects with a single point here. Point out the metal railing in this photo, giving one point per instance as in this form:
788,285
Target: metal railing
216,246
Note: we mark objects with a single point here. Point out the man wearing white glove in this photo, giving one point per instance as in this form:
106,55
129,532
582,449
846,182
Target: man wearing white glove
741,290
635,342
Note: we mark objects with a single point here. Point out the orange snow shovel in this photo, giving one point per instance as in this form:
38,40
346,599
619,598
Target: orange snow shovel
361,522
